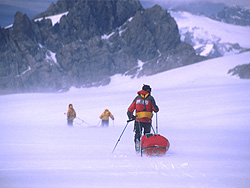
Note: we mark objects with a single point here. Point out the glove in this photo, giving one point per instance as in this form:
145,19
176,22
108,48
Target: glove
133,117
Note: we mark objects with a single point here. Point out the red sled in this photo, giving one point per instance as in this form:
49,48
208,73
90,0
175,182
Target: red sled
154,145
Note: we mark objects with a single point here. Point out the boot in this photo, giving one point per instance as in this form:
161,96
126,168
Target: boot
137,146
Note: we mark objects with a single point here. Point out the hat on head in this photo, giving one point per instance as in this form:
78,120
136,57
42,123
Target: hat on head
146,88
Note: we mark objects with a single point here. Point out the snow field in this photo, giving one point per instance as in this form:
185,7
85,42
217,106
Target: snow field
204,113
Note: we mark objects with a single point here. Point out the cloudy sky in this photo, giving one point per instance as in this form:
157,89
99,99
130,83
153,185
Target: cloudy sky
38,4
35,5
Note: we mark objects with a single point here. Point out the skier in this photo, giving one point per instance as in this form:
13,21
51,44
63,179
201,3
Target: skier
144,104
105,118
71,114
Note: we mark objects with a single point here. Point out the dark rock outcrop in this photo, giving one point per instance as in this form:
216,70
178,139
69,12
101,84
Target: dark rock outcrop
24,63
243,71
95,40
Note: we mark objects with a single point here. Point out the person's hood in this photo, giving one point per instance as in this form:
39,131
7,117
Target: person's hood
143,92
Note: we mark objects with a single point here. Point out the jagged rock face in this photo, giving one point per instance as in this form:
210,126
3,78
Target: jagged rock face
40,57
59,7
24,65
243,71
90,18
149,32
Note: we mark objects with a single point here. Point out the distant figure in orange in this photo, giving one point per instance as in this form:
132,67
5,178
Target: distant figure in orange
105,118
71,114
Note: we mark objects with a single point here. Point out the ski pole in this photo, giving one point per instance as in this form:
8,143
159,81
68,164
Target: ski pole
156,124
82,121
98,123
77,123
122,134
153,128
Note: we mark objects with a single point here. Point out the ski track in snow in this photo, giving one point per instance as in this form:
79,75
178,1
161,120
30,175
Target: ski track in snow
204,113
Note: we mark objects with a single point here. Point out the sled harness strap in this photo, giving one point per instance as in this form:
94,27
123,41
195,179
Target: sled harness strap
144,114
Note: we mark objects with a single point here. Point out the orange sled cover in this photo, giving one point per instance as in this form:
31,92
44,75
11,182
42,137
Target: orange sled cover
154,145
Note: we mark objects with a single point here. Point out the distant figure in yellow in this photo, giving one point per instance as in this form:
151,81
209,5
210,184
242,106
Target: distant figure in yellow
105,118
71,114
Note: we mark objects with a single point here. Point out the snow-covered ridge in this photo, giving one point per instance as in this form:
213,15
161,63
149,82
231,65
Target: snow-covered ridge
215,29
107,36
203,33
55,18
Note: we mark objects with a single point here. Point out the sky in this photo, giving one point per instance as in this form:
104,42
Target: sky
35,5
41,4
8,8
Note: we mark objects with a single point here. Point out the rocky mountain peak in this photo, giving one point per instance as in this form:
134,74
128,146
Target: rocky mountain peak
93,41
22,27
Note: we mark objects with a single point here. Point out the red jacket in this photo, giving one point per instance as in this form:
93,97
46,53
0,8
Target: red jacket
144,104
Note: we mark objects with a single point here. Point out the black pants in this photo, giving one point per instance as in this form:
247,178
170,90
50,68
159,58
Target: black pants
70,122
138,129
105,123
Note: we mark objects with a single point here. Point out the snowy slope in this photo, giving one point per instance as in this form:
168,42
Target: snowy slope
207,35
204,112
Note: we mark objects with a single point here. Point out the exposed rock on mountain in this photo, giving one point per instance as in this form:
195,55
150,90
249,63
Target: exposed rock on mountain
233,15
25,65
209,46
218,11
198,32
93,41
243,71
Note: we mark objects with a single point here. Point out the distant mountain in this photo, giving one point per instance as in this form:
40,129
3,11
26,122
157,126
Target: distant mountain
88,43
229,14
233,15
199,32
212,38
200,8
